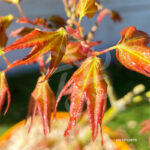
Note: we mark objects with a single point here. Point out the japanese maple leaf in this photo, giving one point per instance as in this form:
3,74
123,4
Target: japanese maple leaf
42,43
5,22
42,101
132,50
75,33
15,2
86,8
86,84
76,51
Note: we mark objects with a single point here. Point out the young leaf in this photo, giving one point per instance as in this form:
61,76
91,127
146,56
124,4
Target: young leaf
86,8
5,22
86,84
42,100
57,21
73,53
21,31
75,33
4,92
76,51
12,1
42,42
132,50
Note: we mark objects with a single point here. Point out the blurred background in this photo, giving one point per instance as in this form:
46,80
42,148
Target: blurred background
22,79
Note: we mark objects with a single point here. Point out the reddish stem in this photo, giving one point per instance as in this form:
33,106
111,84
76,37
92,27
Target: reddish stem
20,10
104,51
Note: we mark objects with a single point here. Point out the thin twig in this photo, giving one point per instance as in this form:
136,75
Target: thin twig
96,53
20,10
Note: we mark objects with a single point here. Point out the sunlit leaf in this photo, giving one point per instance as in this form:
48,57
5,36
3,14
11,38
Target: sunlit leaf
12,1
76,51
5,22
87,84
86,8
73,53
132,50
75,33
42,101
42,43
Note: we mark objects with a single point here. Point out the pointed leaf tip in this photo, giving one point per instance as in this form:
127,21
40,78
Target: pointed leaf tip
4,92
87,84
133,51
42,43
86,8
42,102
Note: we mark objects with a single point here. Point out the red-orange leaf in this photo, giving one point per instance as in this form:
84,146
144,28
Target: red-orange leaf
42,42
7,20
42,101
4,92
73,53
132,50
75,32
76,51
87,84
86,8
